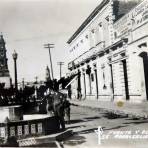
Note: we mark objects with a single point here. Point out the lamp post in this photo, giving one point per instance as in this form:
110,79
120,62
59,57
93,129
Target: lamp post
15,55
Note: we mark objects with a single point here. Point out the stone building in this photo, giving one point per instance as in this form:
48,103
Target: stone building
4,72
108,52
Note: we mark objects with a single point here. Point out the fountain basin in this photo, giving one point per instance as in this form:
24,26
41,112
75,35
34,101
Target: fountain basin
11,113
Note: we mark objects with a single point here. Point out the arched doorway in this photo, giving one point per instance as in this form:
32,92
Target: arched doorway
144,56
79,95
124,63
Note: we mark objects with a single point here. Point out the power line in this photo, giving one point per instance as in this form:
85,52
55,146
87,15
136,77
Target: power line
50,46
60,64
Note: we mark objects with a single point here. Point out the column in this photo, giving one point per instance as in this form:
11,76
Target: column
112,82
124,62
88,81
101,32
96,81
79,85
83,83
136,72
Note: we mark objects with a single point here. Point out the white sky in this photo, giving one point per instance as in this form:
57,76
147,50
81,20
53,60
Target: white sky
28,24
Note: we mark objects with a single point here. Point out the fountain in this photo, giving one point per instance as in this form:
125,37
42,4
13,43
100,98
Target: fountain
14,124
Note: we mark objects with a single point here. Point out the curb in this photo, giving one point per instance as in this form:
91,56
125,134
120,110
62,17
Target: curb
49,139
116,112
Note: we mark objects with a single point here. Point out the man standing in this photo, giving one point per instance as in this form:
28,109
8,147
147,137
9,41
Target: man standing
69,91
49,105
58,107
67,110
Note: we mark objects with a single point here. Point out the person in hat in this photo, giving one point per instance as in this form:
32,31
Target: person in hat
67,110
58,107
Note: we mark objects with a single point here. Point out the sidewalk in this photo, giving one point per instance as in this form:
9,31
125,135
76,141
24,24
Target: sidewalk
137,110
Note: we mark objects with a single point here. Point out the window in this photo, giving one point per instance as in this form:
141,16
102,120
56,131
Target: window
107,18
115,35
86,36
95,65
93,30
92,77
100,24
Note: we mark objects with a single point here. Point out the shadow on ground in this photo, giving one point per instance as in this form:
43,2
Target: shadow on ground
136,122
91,118
76,121
87,131
84,119
110,115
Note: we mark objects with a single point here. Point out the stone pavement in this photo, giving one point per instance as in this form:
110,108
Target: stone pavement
134,110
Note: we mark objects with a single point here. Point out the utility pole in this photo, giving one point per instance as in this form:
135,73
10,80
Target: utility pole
60,64
50,46
23,83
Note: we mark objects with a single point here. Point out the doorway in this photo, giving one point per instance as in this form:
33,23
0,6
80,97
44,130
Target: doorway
144,56
125,79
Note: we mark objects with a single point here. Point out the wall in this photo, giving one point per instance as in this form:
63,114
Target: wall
95,32
117,66
133,26
128,25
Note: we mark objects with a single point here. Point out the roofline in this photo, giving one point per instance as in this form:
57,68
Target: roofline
89,18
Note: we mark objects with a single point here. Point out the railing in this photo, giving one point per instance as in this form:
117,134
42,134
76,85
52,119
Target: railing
27,128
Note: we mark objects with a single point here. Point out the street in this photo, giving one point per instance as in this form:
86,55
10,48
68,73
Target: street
84,122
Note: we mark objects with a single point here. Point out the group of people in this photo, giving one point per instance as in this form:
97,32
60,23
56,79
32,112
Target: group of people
58,105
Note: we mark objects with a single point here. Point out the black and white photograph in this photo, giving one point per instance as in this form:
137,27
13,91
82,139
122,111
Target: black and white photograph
74,73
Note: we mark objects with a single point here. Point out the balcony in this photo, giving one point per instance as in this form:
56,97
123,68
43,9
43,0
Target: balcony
87,56
100,46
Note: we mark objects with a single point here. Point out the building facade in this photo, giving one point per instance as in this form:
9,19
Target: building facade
108,53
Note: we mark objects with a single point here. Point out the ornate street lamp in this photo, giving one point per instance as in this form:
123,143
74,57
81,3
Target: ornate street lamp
15,55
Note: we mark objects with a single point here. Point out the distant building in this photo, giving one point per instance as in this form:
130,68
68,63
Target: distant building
108,52
4,72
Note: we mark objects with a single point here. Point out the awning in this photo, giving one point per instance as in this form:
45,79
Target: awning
75,77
